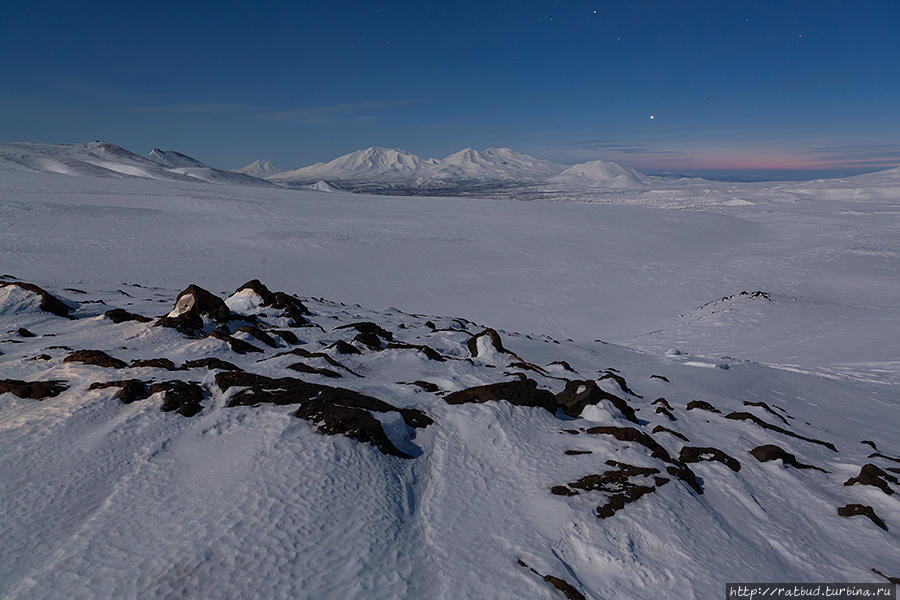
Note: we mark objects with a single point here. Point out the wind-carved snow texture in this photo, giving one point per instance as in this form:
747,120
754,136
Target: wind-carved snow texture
381,454
264,444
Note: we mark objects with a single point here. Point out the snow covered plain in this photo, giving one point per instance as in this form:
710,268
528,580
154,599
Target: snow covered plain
106,499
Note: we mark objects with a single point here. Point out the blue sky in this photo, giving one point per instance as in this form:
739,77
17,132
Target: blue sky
732,85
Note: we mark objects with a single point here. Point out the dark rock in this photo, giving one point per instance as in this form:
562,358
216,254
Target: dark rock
41,357
210,363
368,328
305,368
561,490
159,363
578,452
307,354
661,410
237,345
660,428
343,347
885,456
891,579
663,402
292,307
371,340
34,390
742,416
852,510
430,325
287,336
623,385
768,409
24,333
494,340
618,501
193,304
428,351
693,454
870,474
661,481
702,405
520,393
49,302
195,300
120,315
333,410
97,358
427,386
130,390
567,589
564,365
769,452
630,434
870,443
259,334
561,585
573,402
663,377
181,396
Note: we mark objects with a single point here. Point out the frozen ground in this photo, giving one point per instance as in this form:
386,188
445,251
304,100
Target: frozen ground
105,499
618,269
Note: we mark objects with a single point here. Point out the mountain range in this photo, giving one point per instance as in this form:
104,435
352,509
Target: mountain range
387,169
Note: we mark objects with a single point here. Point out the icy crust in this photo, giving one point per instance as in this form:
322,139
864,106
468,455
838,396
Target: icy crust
413,456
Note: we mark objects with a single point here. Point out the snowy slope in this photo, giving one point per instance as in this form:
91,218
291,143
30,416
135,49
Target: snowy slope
601,174
112,499
371,164
259,168
275,495
491,165
173,159
182,164
101,159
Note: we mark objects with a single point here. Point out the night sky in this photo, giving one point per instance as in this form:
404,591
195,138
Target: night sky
732,86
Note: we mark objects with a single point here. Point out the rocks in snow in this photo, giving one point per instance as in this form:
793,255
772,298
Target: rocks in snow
49,303
97,358
852,510
870,474
769,452
35,390
520,393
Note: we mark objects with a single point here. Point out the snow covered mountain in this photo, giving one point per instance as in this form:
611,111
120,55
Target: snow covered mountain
468,170
102,159
379,166
173,159
380,169
259,168
600,174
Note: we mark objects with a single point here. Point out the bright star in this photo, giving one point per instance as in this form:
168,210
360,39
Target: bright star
652,117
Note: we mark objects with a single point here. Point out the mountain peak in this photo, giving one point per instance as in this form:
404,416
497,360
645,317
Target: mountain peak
173,159
259,168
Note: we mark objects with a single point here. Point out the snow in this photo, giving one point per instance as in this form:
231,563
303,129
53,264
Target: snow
398,169
103,499
599,173
259,168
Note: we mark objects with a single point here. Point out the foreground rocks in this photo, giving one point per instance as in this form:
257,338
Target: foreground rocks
35,390
49,302
333,410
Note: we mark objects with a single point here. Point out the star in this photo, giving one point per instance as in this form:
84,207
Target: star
652,117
